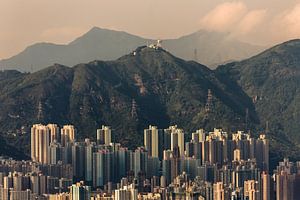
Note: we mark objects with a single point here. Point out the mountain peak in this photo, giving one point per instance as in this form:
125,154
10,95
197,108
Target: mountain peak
150,52
104,44
95,28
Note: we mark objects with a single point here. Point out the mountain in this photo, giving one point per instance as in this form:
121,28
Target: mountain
148,86
210,48
272,80
101,44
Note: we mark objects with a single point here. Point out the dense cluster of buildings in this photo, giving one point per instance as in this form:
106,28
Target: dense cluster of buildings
170,165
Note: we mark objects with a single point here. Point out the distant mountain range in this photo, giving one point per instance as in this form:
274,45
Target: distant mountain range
149,86
209,48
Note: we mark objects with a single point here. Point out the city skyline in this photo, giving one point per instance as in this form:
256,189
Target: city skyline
233,165
149,100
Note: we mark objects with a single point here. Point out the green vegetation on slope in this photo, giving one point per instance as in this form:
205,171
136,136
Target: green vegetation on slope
272,79
151,87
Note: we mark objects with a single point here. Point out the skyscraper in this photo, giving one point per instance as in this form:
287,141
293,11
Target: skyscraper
127,192
104,135
166,166
262,152
54,132
287,181
98,165
177,139
55,151
79,191
151,141
251,190
40,140
67,134
265,186
8,182
140,161
219,193
198,136
103,169
89,150
78,160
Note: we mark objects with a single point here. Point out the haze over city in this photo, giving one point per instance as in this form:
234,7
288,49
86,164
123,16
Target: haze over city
258,22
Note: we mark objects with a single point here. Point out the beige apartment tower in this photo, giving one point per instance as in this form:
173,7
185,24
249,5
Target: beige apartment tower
177,139
151,141
54,132
219,192
104,135
265,186
67,134
251,190
40,140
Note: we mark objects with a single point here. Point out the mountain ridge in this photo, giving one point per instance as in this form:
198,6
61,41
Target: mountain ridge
104,44
147,86
152,86
272,80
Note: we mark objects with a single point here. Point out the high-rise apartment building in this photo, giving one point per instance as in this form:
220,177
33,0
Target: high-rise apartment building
89,150
262,152
177,139
140,161
54,132
104,135
78,160
102,168
127,192
265,186
79,191
55,151
287,181
67,134
40,141
251,190
219,192
199,135
151,141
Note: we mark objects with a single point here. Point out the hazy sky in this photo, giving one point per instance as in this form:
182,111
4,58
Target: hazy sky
24,22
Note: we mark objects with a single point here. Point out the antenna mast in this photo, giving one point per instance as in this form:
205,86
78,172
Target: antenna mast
134,109
40,111
209,103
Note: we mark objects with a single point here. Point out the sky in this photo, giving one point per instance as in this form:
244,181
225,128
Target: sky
264,22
